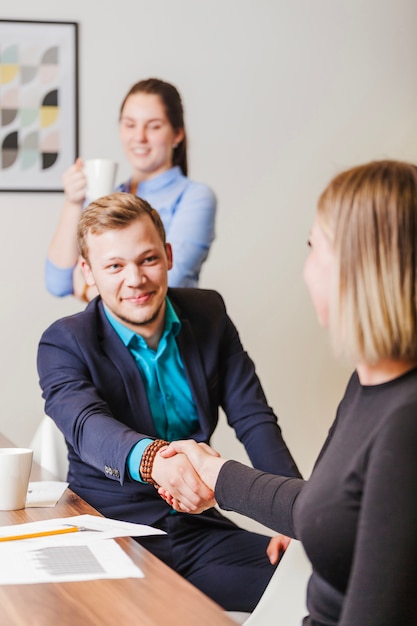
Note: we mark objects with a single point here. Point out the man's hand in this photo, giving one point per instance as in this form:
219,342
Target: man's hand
205,461
276,546
179,483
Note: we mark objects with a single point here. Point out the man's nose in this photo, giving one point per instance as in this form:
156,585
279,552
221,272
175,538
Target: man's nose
135,275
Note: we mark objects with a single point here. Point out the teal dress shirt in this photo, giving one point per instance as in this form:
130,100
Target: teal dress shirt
169,395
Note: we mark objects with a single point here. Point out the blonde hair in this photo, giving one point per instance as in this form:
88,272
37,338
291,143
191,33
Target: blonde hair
370,215
114,212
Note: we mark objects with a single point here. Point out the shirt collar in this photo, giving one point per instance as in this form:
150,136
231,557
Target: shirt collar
172,324
156,183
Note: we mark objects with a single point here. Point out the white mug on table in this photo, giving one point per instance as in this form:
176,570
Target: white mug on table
15,467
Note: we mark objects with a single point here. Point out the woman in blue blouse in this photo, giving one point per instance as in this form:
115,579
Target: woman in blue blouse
153,137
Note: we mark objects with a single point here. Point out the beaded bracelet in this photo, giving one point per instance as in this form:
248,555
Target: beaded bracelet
148,458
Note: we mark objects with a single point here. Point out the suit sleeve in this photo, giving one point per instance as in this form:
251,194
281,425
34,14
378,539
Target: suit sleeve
74,400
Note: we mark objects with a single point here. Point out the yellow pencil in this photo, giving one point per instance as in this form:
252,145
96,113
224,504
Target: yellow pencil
45,533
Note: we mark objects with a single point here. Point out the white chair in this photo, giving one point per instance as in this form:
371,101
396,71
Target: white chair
240,617
50,449
283,602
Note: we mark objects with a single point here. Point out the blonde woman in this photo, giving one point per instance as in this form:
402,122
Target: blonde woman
357,515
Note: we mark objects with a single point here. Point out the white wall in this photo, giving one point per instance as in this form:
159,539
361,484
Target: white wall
279,96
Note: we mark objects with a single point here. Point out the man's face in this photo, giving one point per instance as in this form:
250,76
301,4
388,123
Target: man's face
130,267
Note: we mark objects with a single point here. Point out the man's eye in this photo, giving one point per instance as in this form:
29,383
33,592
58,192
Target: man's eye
150,259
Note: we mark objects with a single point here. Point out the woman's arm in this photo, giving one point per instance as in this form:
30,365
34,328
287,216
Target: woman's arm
266,498
191,233
63,275
63,249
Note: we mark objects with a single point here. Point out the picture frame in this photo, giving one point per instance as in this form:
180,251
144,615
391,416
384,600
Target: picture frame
39,130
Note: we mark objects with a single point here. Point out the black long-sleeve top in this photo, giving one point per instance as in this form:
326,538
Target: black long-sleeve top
357,515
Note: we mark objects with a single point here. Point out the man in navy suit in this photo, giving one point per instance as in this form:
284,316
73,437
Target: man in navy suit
142,365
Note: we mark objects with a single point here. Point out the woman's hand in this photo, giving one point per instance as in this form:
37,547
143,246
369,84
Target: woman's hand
206,463
276,546
179,483
75,183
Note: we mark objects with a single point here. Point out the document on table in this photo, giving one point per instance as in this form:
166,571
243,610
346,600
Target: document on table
87,554
40,561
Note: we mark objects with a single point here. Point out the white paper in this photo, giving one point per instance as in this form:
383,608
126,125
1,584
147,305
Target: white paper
38,561
83,555
45,493
92,528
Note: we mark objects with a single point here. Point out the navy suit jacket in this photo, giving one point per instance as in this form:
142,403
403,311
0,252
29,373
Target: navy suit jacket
94,392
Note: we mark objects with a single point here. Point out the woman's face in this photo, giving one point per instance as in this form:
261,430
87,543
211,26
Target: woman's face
318,270
147,136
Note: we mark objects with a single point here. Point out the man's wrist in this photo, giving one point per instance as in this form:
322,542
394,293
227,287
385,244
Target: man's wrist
135,456
148,458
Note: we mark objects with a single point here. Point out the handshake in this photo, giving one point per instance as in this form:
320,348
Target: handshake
186,473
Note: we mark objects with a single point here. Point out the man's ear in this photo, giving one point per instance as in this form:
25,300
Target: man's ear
87,273
168,250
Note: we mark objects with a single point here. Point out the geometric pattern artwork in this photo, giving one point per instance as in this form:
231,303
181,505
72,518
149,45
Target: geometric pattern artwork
38,103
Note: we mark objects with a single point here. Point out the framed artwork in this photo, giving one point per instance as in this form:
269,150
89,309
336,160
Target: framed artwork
38,103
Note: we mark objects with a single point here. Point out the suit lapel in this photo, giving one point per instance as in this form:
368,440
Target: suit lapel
132,380
195,373
124,362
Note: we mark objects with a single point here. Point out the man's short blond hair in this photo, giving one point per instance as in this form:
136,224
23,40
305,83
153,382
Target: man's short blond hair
370,215
114,212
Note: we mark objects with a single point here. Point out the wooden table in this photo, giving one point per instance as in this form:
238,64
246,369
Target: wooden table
161,598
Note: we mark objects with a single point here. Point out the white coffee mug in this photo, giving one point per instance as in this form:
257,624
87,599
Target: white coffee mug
101,176
15,467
